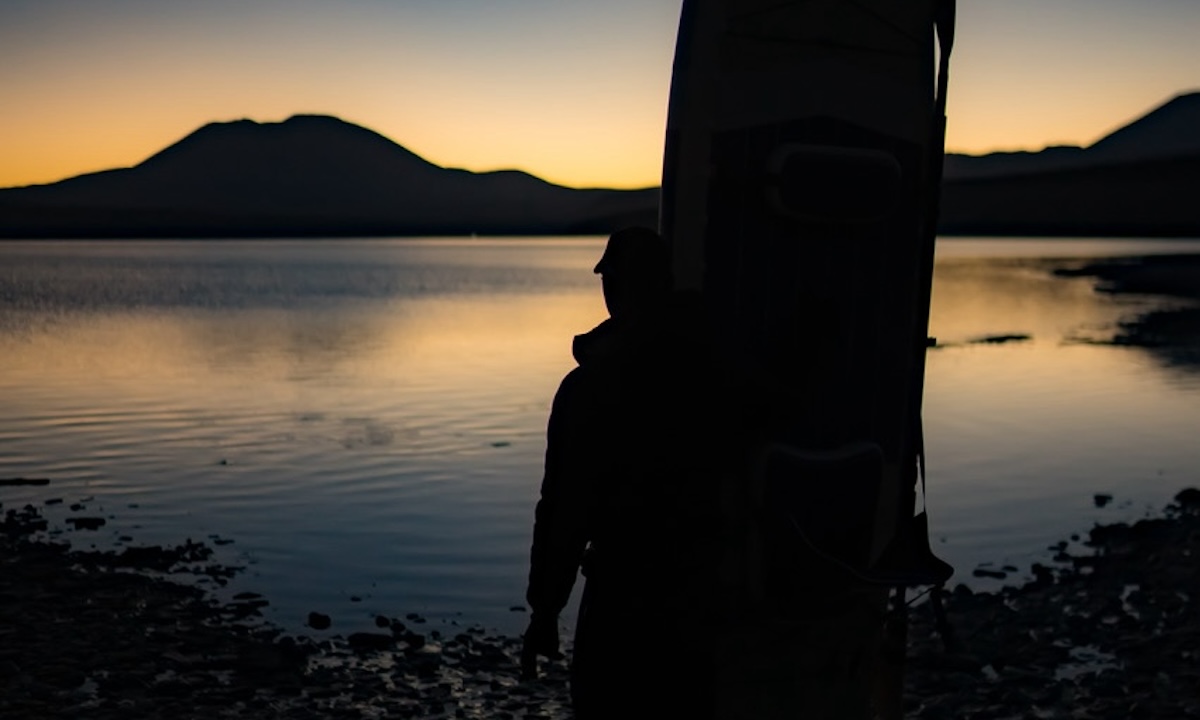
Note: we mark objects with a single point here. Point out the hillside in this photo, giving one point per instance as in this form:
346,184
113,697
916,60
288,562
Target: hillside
1141,180
321,176
309,175
1169,130
1151,198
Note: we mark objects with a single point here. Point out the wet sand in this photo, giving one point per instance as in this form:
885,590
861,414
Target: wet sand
1110,632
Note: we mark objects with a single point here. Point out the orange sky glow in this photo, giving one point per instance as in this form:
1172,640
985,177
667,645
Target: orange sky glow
574,95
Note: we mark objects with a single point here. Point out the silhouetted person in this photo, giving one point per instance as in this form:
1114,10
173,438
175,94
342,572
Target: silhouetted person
629,495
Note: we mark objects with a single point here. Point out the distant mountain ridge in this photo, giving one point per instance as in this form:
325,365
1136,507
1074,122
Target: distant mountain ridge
308,175
1141,180
314,175
1170,130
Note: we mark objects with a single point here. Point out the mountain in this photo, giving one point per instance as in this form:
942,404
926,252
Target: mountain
1149,198
320,176
1140,180
309,175
1170,130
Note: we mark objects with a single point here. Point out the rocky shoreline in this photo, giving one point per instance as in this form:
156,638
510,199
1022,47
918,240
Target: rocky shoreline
1112,631
129,634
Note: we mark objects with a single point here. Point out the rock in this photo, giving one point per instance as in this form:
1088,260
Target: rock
1041,573
245,609
1001,339
318,621
86,523
370,641
23,481
1188,498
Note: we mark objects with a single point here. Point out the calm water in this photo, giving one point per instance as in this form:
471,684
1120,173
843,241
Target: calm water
365,418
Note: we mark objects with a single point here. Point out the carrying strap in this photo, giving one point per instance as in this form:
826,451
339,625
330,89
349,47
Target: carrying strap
944,15
944,20
944,629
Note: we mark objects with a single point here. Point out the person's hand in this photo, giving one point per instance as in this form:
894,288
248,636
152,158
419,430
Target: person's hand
541,638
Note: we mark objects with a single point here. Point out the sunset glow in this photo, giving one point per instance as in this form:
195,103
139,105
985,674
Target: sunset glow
573,93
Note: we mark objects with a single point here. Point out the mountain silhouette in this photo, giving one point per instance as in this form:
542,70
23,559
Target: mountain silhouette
308,175
1170,130
313,175
1140,180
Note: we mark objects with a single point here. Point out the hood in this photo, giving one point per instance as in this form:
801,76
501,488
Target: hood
606,343
668,333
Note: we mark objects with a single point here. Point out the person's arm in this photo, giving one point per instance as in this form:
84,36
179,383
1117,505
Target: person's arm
561,518
562,522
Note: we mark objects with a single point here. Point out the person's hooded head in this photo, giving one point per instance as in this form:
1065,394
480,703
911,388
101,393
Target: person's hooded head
635,271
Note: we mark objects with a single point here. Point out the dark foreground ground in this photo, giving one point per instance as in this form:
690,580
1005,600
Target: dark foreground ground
1112,631
131,634
1112,634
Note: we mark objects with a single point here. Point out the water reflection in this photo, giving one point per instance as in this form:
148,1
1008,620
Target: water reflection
367,418
975,298
1022,436
357,437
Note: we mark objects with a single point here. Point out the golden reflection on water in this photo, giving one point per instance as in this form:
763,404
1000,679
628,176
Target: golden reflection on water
440,342
423,416
416,419
974,298
1021,434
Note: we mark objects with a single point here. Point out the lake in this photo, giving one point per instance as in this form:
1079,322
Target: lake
360,423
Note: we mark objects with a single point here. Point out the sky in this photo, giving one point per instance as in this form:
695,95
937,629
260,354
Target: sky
574,92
